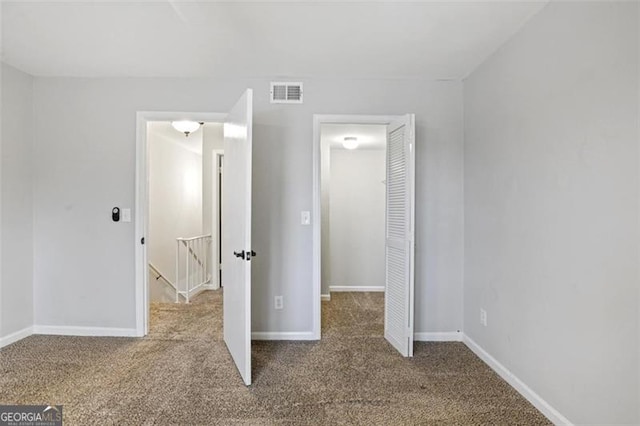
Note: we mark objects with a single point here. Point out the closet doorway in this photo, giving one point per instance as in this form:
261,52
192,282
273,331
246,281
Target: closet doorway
364,202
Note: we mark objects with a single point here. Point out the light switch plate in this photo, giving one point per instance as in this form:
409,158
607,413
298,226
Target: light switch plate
126,215
305,218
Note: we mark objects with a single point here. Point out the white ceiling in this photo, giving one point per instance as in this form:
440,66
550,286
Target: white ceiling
164,130
369,136
356,39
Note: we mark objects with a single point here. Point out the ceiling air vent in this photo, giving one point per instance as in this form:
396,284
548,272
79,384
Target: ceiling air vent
286,93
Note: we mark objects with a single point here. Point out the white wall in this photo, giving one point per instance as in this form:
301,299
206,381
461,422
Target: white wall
551,208
175,194
85,164
357,212
16,216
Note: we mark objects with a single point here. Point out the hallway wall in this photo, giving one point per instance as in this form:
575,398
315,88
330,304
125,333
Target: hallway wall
357,211
175,194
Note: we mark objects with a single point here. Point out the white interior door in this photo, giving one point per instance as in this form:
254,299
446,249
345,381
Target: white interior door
236,233
399,234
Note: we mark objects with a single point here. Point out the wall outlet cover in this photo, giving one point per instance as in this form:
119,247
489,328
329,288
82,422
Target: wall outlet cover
278,302
483,317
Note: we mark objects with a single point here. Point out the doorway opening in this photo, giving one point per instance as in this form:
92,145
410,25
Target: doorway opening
364,204
353,158
217,174
184,224
174,208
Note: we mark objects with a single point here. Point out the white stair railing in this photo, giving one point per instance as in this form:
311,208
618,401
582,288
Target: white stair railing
192,265
160,277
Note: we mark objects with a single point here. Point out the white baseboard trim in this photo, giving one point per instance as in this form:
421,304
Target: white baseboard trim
209,287
283,335
545,408
325,297
196,291
446,336
15,336
84,331
356,288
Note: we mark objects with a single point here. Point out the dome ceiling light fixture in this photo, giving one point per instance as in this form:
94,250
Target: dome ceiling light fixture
350,142
186,126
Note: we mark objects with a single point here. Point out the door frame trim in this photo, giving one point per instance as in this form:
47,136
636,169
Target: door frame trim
215,217
142,204
318,121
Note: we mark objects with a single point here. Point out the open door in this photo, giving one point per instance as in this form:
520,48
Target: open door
399,235
236,233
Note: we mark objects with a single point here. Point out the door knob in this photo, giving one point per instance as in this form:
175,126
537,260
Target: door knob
240,255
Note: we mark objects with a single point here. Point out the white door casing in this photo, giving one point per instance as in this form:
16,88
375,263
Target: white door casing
236,233
399,234
216,217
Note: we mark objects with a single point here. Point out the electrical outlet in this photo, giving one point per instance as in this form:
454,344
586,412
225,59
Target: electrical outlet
278,303
483,317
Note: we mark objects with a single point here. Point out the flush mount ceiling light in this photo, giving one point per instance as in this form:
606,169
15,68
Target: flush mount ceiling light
350,142
186,126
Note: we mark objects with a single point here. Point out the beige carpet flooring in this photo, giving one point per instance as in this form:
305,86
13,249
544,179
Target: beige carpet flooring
182,374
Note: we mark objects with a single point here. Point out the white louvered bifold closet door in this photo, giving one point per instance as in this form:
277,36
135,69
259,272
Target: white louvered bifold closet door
399,247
